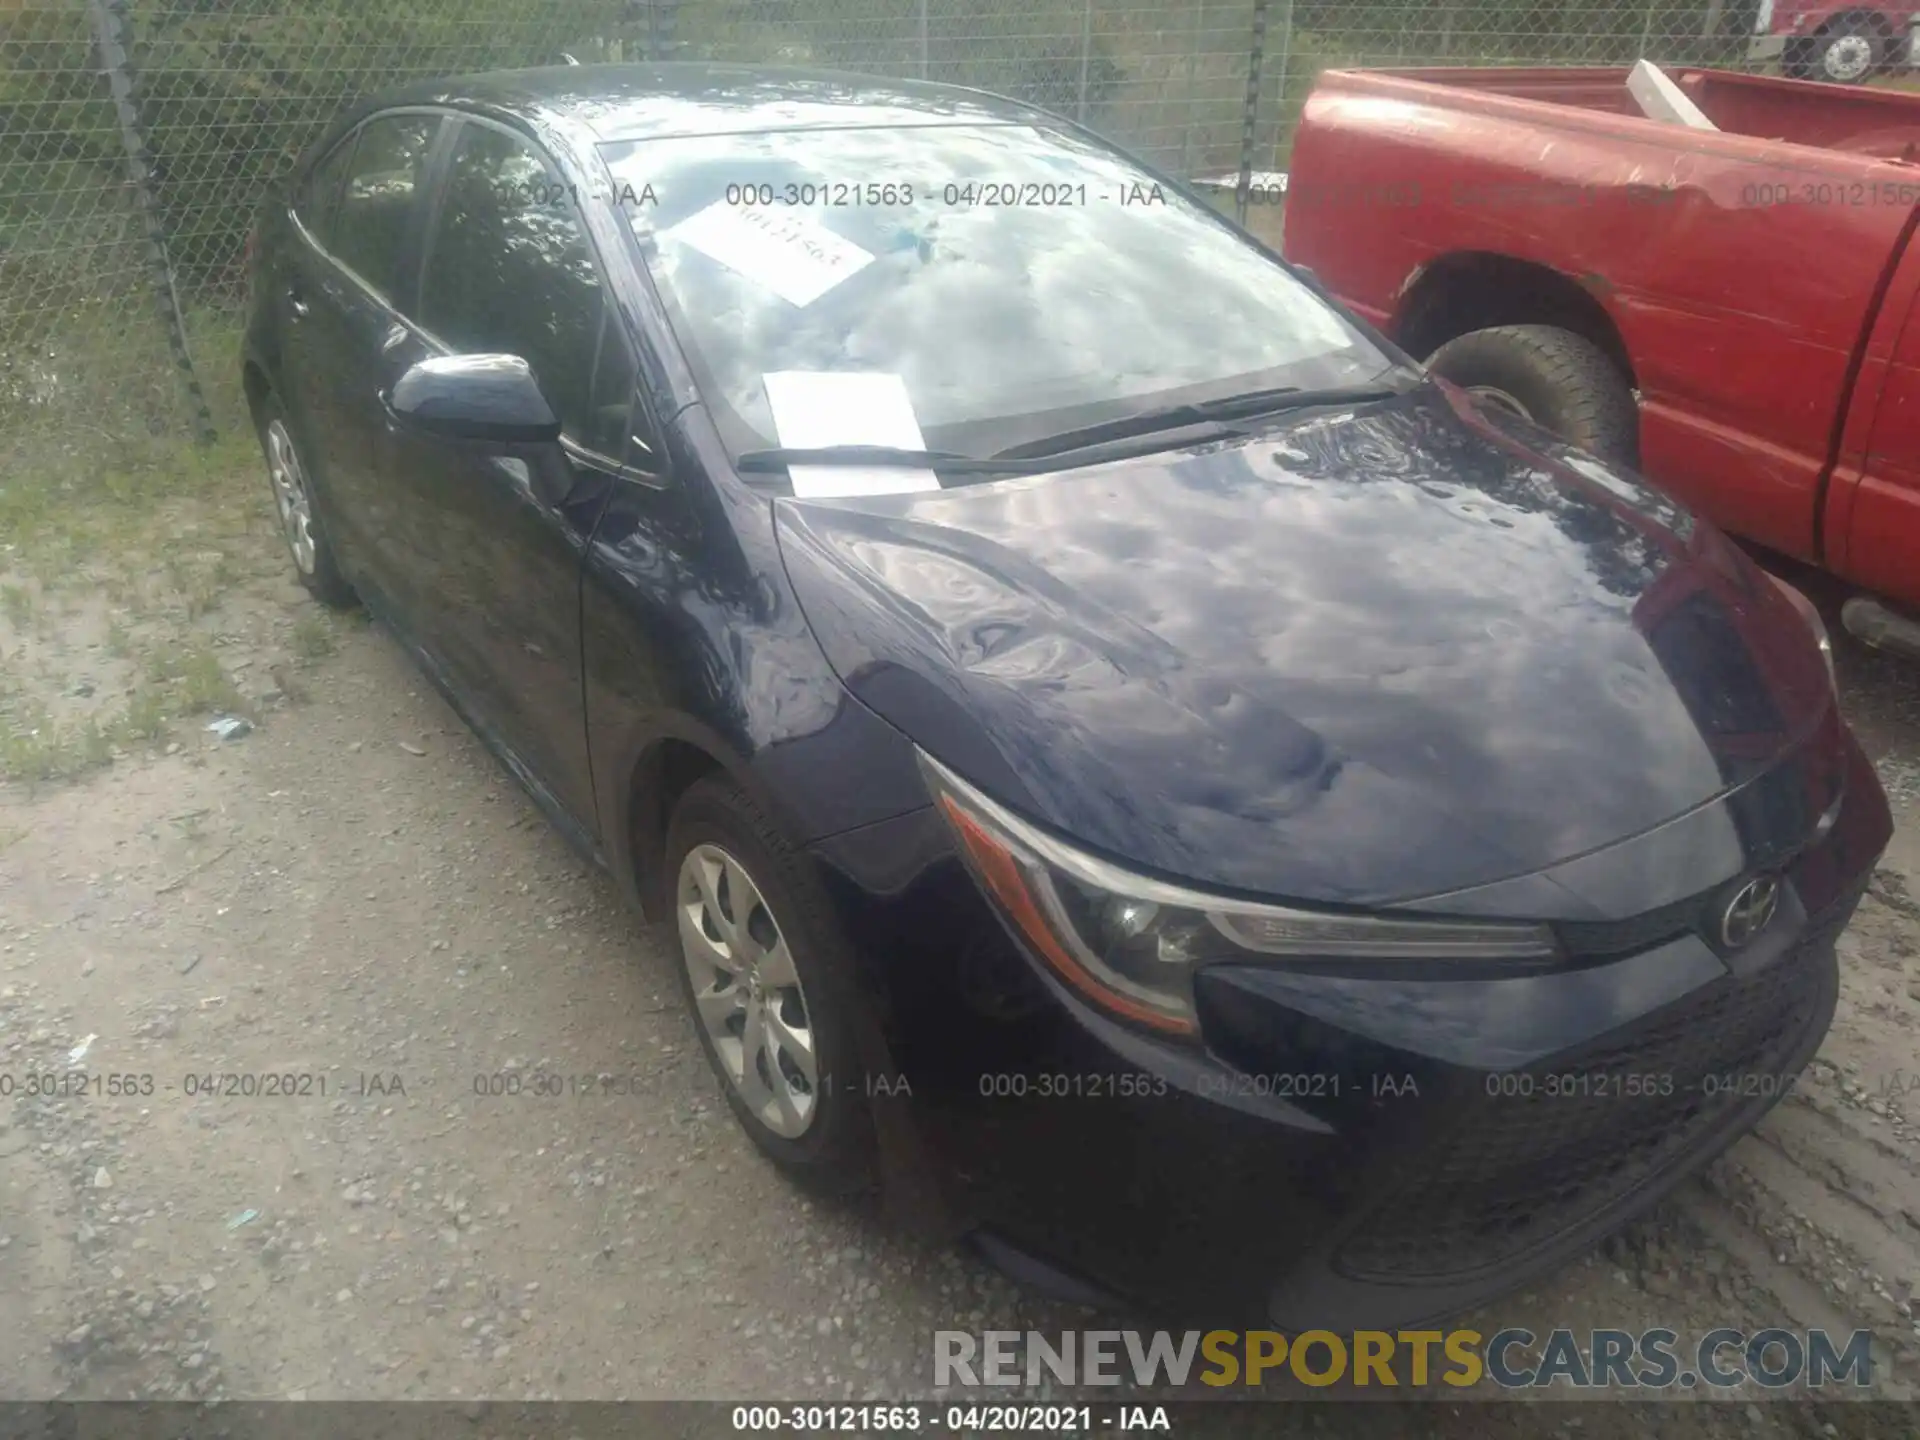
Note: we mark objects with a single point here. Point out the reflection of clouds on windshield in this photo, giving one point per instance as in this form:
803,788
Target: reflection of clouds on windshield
986,310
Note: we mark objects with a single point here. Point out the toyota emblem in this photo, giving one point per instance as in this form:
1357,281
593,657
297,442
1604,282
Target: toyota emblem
1749,911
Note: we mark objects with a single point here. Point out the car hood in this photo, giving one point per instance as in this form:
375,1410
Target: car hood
1365,656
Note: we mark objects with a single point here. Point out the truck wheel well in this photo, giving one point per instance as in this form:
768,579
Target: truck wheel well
663,775
1462,293
1872,19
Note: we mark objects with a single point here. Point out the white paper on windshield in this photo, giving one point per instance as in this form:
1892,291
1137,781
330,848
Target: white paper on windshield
812,408
786,250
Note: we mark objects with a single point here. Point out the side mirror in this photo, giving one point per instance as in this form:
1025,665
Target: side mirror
476,397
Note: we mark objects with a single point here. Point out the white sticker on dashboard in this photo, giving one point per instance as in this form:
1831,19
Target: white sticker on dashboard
787,251
812,408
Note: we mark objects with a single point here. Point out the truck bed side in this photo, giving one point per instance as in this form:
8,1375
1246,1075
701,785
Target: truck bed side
1734,276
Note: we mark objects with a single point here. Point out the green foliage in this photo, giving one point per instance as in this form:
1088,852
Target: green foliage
63,226
1031,51
230,91
1541,32
1049,71
231,94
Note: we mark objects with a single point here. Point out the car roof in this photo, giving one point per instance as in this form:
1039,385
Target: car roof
639,102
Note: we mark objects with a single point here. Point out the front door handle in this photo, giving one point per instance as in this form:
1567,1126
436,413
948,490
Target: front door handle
299,307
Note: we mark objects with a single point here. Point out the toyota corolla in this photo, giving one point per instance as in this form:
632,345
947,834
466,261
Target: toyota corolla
1133,770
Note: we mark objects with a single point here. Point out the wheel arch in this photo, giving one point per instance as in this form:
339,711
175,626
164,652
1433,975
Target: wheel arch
255,385
1475,290
1875,20
665,764
664,770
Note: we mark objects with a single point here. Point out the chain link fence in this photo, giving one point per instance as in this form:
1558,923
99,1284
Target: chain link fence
138,137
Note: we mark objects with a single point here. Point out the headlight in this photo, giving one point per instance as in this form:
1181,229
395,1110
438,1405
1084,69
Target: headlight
1131,943
1811,614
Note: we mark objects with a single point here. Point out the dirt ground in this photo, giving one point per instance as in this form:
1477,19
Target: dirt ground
355,895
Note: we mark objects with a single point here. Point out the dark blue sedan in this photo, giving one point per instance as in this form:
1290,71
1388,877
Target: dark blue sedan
1137,772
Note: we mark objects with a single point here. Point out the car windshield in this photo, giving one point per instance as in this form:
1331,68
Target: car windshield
1021,281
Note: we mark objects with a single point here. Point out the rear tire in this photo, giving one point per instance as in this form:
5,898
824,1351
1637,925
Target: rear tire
769,984
291,484
1554,378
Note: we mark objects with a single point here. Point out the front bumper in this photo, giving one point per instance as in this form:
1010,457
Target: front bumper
1345,1153
1511,1183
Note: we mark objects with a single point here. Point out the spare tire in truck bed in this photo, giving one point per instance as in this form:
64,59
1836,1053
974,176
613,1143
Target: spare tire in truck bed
1560,381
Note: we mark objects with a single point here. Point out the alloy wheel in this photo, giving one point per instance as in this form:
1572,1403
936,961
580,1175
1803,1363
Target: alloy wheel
747,991
290,495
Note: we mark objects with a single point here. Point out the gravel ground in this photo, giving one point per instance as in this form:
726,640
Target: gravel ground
355,893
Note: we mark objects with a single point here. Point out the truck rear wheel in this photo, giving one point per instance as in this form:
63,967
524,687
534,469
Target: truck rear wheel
1554,378
1846,52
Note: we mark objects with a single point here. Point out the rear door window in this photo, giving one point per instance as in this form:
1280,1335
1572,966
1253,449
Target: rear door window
384,183
510,270
319,197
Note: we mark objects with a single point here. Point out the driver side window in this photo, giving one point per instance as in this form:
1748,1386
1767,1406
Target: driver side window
510,269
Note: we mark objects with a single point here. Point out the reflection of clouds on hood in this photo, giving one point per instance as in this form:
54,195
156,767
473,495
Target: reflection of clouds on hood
1625,492
1487,645
776,659
1375,621
987,310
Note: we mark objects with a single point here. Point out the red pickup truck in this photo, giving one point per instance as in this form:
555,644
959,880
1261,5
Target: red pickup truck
1730,309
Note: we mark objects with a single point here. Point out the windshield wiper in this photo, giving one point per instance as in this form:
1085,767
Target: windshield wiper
1292,397
1127,427
1037,457
884,456
1199,412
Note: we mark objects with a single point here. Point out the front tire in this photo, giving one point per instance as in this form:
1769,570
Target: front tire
1554,378
293,506
768,982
